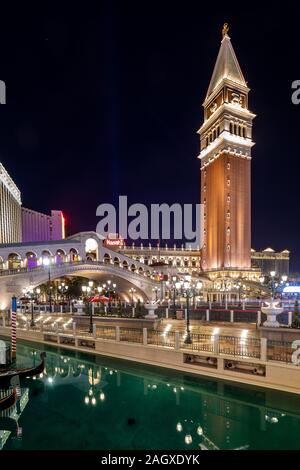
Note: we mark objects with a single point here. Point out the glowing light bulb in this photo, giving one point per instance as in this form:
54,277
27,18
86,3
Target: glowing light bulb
188,439
179,427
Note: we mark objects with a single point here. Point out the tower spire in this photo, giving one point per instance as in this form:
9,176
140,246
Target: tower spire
227,66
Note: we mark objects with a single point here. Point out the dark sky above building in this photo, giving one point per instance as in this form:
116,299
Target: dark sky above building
105,98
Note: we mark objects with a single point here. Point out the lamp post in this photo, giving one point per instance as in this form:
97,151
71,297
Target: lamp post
188,290
63,288
47,262
31,295
86,291
273,274
132,291
174,279
109,291
283,283
156,290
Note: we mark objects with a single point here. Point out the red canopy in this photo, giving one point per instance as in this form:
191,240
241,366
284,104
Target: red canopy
99,298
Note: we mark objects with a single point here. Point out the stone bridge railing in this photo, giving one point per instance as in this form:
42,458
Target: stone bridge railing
72,266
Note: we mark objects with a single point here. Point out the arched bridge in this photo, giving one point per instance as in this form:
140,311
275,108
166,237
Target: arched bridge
14,280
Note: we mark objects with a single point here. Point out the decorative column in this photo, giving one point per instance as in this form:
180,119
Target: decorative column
14,327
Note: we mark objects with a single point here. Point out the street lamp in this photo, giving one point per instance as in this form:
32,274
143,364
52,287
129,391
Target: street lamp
47,262
86,291
31,295
132,290
187,293
109,291
156,290
63,288
273,274
174,279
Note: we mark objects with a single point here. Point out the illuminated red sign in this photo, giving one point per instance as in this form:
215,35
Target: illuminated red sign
114,242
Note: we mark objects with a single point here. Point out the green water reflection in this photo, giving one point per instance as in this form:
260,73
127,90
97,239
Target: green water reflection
89,402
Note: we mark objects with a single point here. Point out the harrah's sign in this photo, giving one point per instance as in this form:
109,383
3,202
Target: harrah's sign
113,242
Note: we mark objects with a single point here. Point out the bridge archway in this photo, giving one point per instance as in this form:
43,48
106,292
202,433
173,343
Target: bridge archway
60,256
73,255
14,261
106,258
31,260
91,249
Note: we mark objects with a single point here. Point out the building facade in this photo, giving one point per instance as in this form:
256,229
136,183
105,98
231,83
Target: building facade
177,260
270,260
10,209
42,227
226,142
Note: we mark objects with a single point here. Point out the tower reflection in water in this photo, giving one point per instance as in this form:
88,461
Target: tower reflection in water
150,408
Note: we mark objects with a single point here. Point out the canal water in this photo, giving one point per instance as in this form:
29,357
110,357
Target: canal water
87,402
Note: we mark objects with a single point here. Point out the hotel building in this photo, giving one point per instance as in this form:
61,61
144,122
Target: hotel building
37,227
10,209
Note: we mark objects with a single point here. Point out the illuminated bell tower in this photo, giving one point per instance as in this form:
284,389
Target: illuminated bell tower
226,142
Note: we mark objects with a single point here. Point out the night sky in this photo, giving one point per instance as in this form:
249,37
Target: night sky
105,98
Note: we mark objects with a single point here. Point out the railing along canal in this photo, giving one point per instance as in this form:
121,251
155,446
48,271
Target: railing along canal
226,345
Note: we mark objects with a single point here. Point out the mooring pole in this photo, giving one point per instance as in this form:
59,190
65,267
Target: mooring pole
13,327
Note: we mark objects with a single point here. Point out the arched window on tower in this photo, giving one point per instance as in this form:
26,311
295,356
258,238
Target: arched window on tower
240,131
206,141
231,128
235,129
214,134
218,131
244,132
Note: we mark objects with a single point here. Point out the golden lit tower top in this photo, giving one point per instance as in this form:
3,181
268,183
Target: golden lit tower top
225,29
